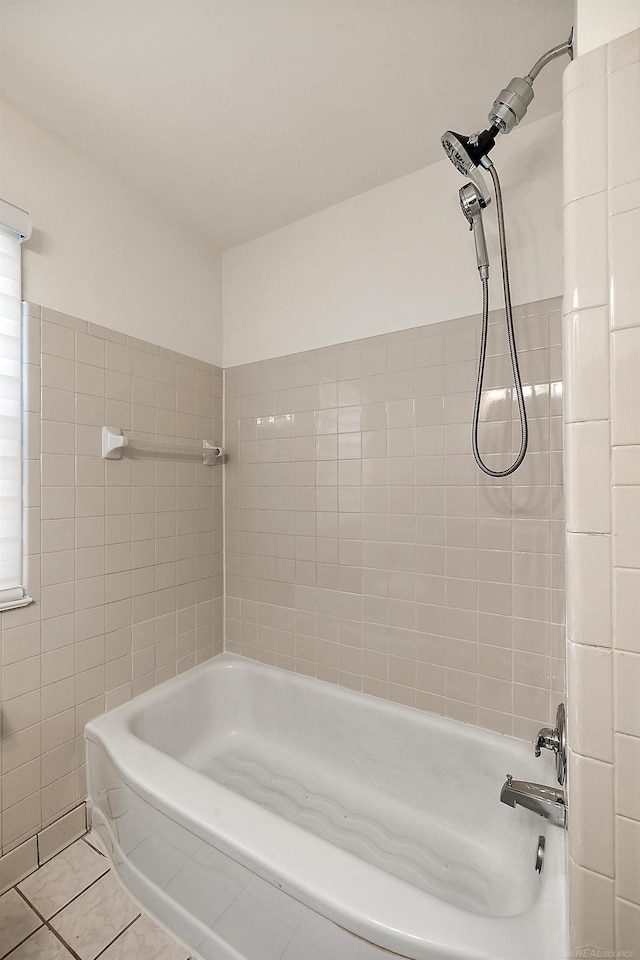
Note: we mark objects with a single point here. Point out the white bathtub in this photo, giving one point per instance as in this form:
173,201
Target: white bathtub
265,816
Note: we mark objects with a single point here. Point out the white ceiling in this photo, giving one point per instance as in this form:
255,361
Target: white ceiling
240,116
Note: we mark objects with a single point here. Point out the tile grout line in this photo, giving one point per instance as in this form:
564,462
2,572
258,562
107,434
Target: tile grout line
68,903
58,935
64,943
6,955
47,924
78,895
89,844
117,937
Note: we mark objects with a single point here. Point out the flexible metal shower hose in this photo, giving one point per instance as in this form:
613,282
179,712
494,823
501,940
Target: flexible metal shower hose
524,430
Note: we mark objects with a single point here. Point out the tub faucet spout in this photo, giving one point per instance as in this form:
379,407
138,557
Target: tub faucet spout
545,801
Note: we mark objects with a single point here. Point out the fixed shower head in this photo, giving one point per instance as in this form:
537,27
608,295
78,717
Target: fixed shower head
467,153
455,147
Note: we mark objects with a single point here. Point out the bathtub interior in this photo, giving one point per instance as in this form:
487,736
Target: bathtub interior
416,796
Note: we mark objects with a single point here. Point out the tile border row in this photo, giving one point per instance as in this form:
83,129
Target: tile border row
25,859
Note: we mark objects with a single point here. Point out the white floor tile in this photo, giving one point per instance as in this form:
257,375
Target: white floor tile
17,921
63,878
144,940
95,918
87,907
42,945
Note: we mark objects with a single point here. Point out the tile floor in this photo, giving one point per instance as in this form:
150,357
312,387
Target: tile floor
74,906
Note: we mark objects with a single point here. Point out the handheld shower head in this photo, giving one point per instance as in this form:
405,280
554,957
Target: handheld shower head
472,204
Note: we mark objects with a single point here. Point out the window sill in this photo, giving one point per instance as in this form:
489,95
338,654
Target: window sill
13,604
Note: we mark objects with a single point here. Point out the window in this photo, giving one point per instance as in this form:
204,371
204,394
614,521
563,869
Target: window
14,228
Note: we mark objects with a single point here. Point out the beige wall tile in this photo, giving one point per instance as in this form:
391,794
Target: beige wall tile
588,505
589,562
585,265
626,534
624,97
580,104
627,925
374,530
590,706
625,288
627,776
83,518
18,864
21,820
626,591
626,686
591,804
587,365
600,702
20,678
592,900
627,859
626,465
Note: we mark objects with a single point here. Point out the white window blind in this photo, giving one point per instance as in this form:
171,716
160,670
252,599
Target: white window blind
12,592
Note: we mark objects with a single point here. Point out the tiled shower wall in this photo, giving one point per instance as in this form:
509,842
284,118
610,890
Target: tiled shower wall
124,557
363,545
602,323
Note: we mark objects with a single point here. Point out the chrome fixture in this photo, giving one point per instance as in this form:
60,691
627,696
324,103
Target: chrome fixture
547,802
466,154
115,445
472,203
511,104
507,111
556,740
540,854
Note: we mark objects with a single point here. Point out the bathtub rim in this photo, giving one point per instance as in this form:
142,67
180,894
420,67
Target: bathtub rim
335,883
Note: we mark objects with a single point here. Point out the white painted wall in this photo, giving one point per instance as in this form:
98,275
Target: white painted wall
104,253
395,257
601,21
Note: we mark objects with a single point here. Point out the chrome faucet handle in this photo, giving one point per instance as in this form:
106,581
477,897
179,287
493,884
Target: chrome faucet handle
555,740
547,739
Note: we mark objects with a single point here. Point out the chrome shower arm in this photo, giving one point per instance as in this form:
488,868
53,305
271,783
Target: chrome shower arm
509,107
512,103
550,55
